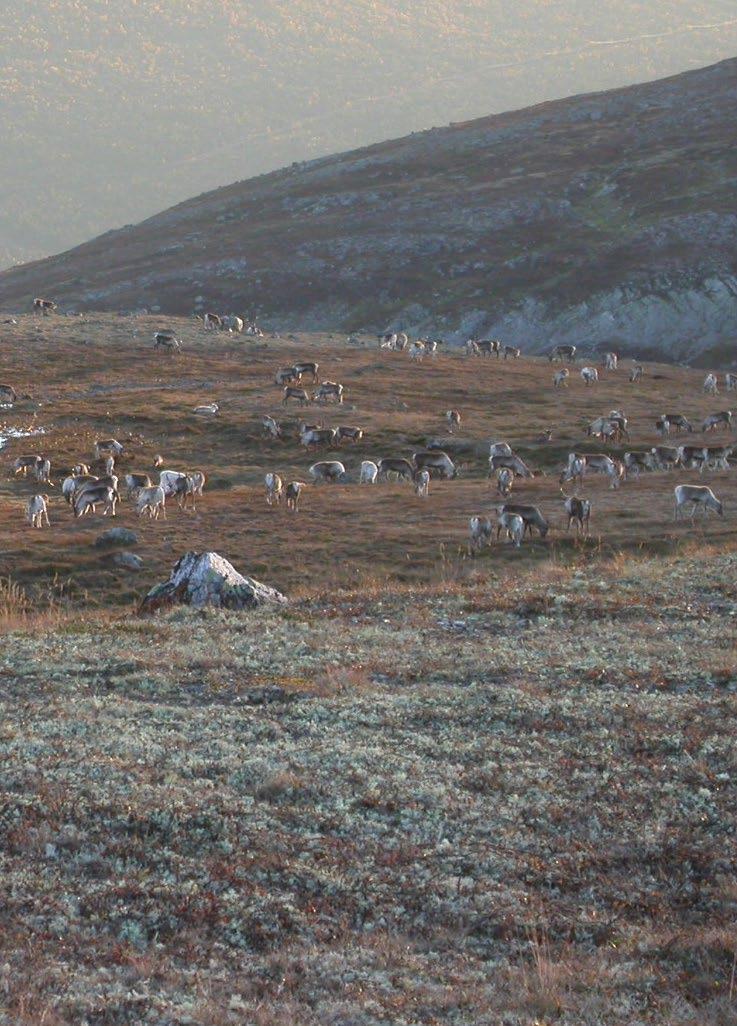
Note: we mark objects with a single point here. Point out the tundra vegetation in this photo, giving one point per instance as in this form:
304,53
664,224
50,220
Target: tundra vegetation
431,789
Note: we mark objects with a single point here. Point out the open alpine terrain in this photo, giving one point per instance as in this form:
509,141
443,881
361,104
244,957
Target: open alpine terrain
433,788
99,376
606,218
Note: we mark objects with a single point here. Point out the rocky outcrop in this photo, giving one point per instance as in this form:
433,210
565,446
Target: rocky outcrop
206,579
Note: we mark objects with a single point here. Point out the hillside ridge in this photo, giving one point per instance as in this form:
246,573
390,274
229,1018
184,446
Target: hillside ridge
604,219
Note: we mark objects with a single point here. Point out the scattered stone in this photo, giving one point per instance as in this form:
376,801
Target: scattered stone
128,560
206,579
117,536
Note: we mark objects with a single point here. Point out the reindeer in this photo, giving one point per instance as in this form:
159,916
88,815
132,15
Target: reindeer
563,353
513,352
329,390
213,322
518,467
710,384
530,514
453,419
37,511
308,367
730,381
514,525
270,427
44,306
287,376
504,481
589,375
396,465
715,420
422,483
369,472
636,372
610,361
25,463
435,460
167,340
274,489
560,378
479,534
299,394
293,494
580,511
677,421
353,434
699,496
317,436
327,470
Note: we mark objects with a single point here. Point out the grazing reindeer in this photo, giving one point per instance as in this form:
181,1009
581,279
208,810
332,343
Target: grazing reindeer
299,394
514,525
530,514
580,511
518,467
513,352
574,470
42,471
437,461
310,368
699,496
353,434
589,375
327,470
37,511
422,483
133,482
293,494
479,534
396,465
152,501
329,390
213,322
25,463
560,378
715,420
44,306
504,481
167,340
453,418
487,346
369,472
730,382
287,376
562,353
472,348
270,427
274,489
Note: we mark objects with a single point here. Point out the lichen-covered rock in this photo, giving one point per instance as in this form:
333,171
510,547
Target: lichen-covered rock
206,579
128,560
117,536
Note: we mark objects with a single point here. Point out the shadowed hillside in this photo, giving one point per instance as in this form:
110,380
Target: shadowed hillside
606,219
111,112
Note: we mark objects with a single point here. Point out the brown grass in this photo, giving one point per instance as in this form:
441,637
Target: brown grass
98,375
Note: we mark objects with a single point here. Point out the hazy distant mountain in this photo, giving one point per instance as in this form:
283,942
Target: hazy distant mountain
606,219
112,111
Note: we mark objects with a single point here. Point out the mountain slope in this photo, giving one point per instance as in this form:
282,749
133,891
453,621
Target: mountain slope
111,112
606,219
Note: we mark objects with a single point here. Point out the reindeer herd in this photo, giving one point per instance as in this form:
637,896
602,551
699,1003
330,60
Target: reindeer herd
301,384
